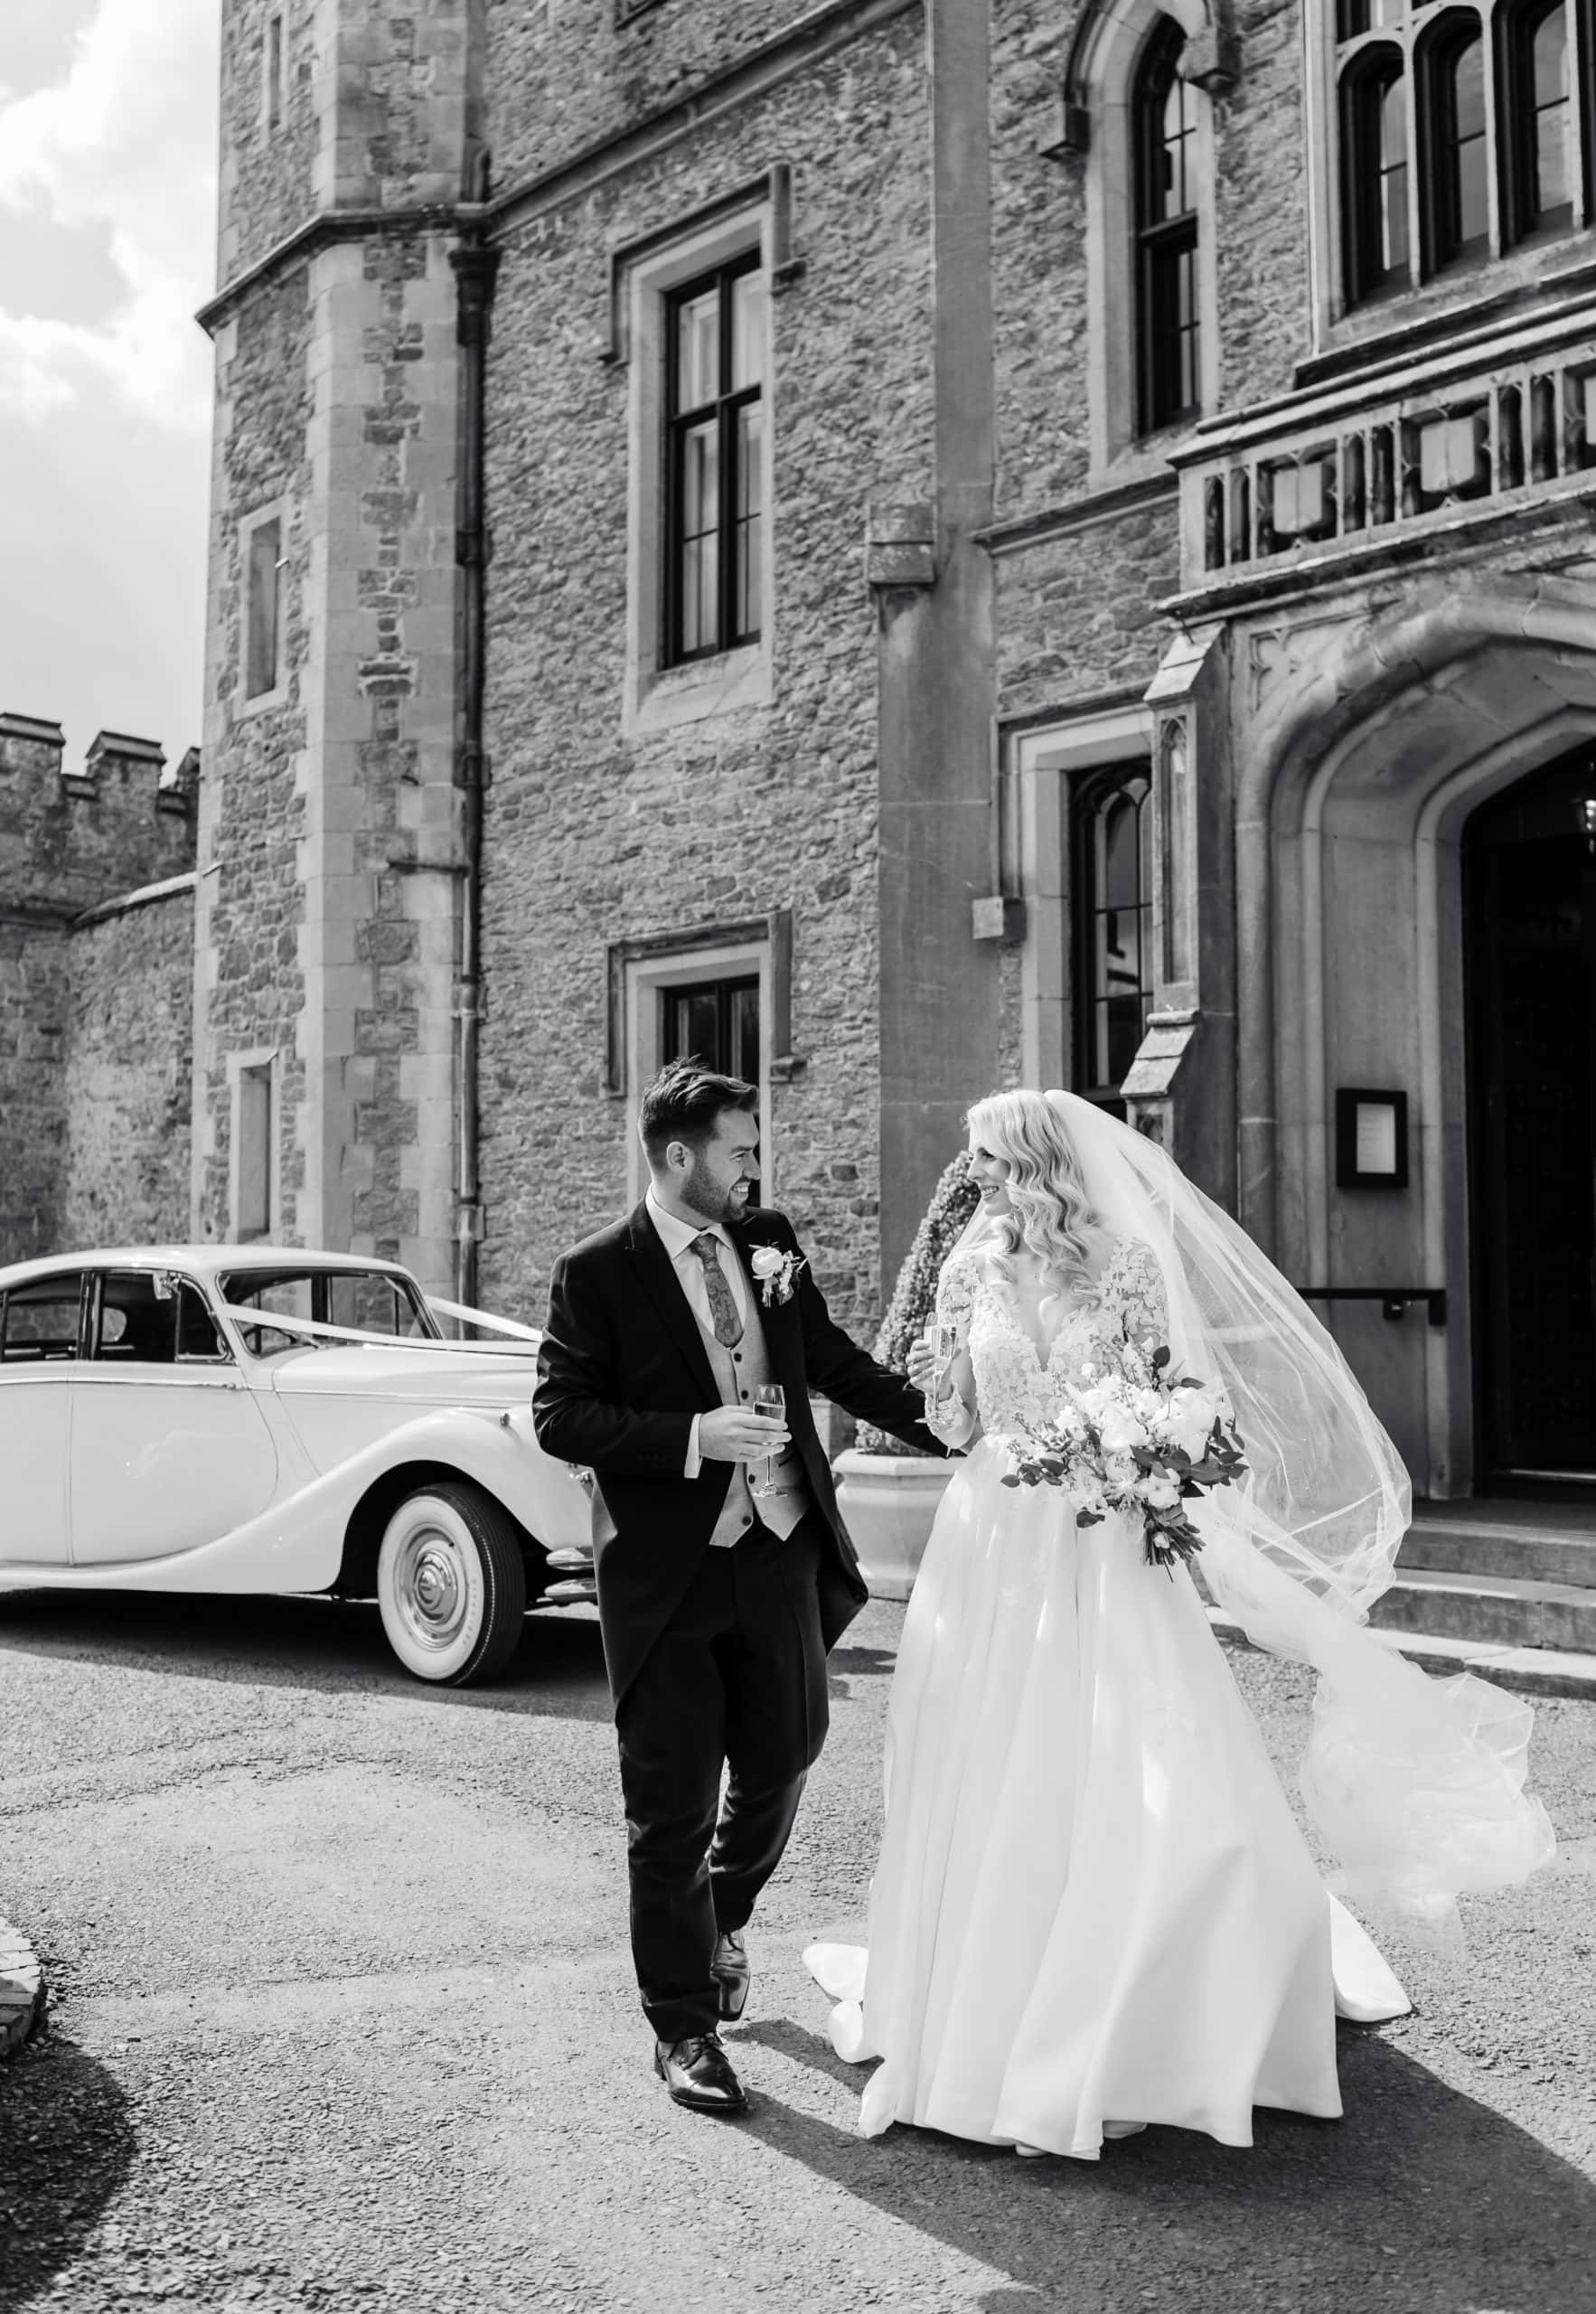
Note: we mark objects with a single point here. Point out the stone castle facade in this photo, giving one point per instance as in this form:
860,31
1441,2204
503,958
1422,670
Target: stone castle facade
934,542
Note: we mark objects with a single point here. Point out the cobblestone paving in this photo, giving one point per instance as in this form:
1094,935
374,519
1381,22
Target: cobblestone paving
342,2017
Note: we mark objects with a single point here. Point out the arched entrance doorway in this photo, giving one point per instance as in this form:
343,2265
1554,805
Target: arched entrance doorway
1368,955
1529,898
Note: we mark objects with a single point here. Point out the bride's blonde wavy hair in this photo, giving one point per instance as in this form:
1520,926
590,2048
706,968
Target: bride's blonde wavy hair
1052,1217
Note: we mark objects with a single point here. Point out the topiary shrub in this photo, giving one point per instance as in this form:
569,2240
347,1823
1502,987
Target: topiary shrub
914,1297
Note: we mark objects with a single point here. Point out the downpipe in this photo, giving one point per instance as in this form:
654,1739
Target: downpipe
475,264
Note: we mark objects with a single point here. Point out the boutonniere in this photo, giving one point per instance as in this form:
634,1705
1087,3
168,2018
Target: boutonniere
777,1273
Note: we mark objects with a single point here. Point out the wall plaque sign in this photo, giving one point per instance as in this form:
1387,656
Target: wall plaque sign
1371,1139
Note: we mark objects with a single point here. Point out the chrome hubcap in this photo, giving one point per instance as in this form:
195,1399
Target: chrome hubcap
431,1588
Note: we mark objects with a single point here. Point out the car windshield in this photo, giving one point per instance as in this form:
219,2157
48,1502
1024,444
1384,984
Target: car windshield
369,1301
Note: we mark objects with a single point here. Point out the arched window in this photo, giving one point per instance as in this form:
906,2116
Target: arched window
1168,376
1374,175
1536,120
1112,894
1138,108
1457,160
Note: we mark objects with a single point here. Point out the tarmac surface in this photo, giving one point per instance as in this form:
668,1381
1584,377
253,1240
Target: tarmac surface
342,2017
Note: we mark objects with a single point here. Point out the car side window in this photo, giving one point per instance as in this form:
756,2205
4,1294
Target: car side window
197,1333
148,1317
39,1321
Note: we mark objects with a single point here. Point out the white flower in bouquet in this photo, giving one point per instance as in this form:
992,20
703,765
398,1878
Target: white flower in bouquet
1159,1492
1192,1414
1119,1430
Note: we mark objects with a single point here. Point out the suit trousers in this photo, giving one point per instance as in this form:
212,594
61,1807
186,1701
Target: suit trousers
737,1677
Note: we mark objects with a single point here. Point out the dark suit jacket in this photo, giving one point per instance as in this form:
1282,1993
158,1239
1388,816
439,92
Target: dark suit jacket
621,1373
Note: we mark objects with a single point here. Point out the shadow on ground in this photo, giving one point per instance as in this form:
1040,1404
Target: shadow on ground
324,1645
66,2147
1421,2198
311,1644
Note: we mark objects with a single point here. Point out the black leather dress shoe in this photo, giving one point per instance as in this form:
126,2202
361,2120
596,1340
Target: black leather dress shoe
730,1971
698,2073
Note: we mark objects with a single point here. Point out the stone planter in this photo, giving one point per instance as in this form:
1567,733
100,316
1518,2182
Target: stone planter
887,1503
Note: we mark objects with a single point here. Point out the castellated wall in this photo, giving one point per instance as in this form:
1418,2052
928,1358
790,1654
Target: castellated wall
96,991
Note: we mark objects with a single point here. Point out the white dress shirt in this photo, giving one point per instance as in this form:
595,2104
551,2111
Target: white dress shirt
677,1237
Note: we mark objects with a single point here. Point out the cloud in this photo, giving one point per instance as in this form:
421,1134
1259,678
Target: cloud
123,145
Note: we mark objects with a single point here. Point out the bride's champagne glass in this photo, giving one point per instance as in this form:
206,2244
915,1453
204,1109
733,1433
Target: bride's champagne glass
771,1400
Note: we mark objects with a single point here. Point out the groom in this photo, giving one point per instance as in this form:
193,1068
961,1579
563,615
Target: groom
718,1600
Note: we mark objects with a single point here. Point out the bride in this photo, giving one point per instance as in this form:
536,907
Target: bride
1093,1908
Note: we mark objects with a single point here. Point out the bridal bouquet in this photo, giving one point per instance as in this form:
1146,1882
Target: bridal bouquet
1128,1439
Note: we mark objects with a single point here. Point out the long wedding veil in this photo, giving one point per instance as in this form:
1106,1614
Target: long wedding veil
1415,1784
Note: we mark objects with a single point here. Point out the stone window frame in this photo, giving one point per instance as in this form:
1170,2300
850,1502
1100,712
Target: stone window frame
642,967
1093,790
1512,255
658,697
1045,757
245,1067
1100,117
273,511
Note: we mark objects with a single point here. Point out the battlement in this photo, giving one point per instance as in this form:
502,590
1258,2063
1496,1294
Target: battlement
72,839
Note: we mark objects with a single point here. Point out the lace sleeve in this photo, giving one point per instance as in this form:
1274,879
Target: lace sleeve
950,1409
1136,1289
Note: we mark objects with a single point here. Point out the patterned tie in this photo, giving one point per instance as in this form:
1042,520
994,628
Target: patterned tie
728,1326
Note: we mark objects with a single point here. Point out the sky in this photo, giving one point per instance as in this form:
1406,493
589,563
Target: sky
107,232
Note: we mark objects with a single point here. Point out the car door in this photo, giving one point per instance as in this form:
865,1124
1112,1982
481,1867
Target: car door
41,1335
169,1449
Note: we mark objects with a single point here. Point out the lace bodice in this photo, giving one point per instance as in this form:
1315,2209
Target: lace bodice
1018,1386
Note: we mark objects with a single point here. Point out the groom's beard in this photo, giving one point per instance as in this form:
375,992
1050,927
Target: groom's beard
700,1196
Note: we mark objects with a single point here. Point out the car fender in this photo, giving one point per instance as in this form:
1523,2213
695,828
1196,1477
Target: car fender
297,1544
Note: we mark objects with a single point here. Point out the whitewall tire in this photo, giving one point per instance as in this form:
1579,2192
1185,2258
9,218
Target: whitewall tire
451,1584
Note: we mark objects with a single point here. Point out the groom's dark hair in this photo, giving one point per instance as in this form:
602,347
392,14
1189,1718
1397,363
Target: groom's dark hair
684,1102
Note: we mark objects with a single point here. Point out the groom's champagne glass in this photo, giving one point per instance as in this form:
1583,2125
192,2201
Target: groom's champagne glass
771,1400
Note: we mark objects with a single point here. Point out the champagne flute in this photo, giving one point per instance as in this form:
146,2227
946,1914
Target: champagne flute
771,1400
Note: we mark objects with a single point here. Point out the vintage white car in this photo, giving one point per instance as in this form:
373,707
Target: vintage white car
245,1418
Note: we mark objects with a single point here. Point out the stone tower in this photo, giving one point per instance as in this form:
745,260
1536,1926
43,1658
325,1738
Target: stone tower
334,979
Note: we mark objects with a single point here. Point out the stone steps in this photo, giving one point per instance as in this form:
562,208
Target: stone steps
1502,1610
1542,1552
1531,1670
1506,1588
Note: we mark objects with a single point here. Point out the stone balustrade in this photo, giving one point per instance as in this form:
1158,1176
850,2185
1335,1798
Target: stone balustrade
1504,421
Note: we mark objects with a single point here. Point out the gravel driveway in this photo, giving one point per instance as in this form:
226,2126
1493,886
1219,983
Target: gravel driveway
344,2017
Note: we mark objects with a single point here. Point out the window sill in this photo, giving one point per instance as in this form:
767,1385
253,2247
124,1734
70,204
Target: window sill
1405,322
262,703
1145,459
729,685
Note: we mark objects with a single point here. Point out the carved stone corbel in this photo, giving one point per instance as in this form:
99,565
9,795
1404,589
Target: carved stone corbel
1211,60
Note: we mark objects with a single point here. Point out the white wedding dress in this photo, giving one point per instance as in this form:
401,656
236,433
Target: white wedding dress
1092,1903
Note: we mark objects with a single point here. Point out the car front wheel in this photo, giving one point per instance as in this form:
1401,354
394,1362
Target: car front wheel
451,1584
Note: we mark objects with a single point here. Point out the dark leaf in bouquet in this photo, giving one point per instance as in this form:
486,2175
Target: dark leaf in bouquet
1088,1519
1160,1359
